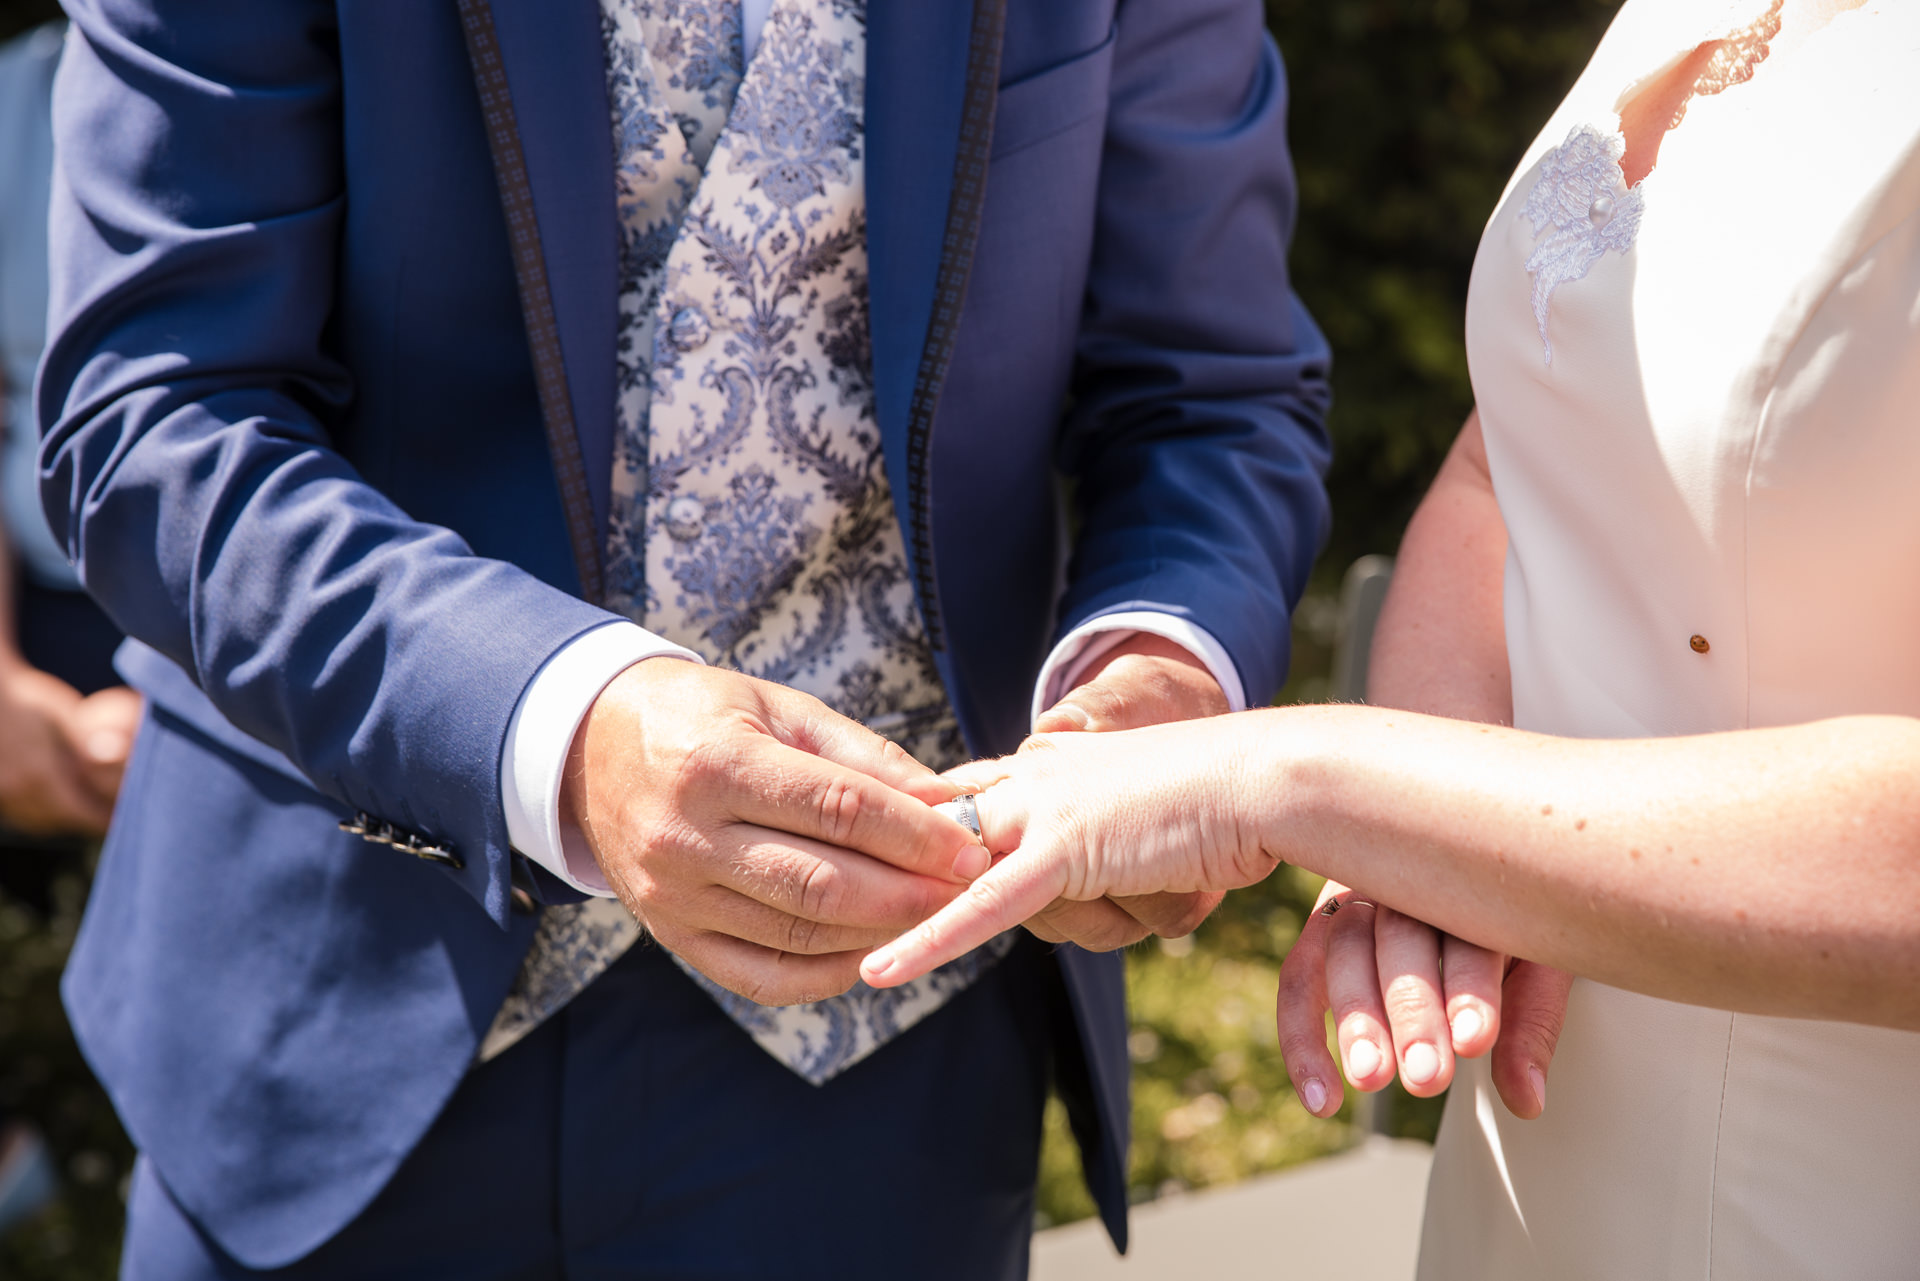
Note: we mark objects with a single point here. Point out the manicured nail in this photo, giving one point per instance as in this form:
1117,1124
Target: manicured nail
1314,1094
1363,1060
972,862
1539,1082
1421,1063
1467,1024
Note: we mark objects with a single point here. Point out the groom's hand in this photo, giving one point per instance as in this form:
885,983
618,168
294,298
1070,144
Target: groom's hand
1143,681
1406,998
765,839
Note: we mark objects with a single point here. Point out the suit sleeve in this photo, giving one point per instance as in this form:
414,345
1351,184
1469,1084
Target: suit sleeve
1197,435
189,393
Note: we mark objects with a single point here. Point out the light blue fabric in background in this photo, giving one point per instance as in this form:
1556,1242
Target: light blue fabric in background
26,161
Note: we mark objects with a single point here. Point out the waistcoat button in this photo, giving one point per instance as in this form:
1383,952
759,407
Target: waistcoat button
1699,644
685,518
688,330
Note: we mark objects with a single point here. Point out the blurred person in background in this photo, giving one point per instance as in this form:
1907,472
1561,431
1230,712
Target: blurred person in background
66,723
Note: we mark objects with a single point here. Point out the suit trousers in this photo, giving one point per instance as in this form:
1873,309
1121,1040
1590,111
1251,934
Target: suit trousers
639,1134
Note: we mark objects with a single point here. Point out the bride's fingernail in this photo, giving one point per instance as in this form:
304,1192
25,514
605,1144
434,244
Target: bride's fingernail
1467,1024
1421,1063
877,966
1313,1094
1363,1059
972,862
1538,1080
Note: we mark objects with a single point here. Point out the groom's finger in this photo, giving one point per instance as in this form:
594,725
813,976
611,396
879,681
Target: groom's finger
1300,1015
1017,887
764,975
788,789
803,722
1098,926
1536,1009
725,911
821,883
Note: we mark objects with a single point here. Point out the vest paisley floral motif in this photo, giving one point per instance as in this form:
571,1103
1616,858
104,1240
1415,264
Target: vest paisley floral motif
752,520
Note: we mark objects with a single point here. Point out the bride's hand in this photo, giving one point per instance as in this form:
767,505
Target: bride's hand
1083,817
1405,995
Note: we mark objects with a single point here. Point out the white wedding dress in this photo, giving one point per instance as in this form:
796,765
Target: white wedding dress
1701,401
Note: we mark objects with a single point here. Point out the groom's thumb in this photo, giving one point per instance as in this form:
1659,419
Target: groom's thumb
1064,717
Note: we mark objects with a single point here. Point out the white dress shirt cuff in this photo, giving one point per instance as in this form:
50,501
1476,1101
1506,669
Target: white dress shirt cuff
1080,648
541,734
753,16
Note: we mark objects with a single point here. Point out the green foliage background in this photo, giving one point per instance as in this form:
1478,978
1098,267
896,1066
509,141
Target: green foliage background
1407,117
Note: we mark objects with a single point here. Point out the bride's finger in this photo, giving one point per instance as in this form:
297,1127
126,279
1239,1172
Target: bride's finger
1017,887
1407,956
978,776
1353,991
998,804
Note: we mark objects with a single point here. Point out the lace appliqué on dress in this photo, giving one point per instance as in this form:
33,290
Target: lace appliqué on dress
1578,204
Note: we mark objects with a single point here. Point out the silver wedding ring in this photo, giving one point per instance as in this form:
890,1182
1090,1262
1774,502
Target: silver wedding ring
963,810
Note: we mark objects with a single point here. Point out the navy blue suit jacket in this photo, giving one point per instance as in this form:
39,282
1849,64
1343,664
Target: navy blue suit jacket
295,447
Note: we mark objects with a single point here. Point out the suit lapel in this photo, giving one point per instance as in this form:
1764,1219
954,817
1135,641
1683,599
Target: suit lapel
932,81
550,53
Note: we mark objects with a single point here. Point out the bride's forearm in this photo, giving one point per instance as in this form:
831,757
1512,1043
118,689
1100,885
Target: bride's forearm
1770,871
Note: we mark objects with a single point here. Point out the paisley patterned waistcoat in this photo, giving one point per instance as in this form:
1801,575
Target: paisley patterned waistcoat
752,519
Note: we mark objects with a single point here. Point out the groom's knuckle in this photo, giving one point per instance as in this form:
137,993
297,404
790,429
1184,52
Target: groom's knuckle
1300,983
760,988
895,757
819,889
706,767
1297,1046
1537,1036
840,806
802,936
1189,917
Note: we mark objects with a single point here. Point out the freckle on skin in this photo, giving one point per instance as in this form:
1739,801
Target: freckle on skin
1546,809
1634,855
1740,914
1581,826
